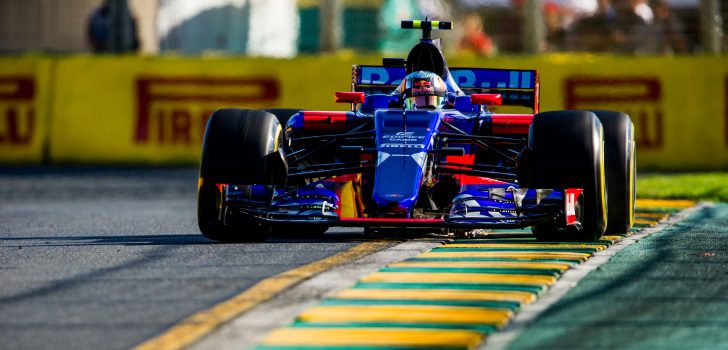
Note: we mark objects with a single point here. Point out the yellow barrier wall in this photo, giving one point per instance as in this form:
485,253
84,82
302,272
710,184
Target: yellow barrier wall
23,114
153,109
678,104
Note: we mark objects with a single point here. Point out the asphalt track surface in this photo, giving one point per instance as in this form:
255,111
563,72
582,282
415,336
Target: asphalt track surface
108,258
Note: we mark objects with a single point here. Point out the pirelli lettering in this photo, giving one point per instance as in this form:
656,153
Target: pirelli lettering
174,110
17,113
640,97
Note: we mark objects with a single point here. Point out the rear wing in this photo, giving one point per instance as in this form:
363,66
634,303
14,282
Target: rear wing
517,87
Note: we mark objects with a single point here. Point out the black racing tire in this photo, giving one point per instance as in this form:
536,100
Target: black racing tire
240,147
619,159
566,150
283,114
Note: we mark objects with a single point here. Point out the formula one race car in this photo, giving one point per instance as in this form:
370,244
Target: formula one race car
420,149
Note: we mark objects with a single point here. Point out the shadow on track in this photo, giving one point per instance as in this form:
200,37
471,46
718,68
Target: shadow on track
150,240
333,236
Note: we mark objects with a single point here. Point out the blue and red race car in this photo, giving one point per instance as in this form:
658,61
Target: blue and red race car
420,148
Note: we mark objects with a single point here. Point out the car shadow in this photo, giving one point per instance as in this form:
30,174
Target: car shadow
332,236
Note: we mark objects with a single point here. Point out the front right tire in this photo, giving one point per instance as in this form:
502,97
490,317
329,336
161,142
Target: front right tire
566,150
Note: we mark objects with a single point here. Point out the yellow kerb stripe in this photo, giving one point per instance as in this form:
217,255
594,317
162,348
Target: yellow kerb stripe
611,239
406,314
425,338
571,256
485,264
200,324
437,294
416,277
656,216
664,203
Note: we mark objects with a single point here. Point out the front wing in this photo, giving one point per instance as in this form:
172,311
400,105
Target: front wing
330,203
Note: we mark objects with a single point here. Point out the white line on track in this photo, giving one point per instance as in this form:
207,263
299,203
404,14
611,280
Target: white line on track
249,328
501,340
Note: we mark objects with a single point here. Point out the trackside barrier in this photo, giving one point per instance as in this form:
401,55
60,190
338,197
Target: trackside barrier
152,110
24,117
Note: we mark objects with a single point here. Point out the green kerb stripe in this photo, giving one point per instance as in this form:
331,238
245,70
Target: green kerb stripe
507,305
475,327
560,261
515,241
463,286
445,248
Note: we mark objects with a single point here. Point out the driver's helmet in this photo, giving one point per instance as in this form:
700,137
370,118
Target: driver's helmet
422,89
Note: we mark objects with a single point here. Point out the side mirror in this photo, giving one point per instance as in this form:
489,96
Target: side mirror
349,97
486,99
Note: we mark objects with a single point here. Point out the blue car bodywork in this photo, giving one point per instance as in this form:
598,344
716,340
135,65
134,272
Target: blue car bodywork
380,165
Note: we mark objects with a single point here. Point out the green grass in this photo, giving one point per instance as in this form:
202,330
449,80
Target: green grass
709,186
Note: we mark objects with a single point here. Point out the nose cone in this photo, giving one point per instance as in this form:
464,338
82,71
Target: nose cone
397,180
403,141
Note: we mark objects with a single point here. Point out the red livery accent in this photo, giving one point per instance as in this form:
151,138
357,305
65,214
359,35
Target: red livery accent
571,196
511,124
394,220
469,179
349,97
486,99
317,120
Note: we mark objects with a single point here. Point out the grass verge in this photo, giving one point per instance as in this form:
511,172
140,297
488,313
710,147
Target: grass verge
708,186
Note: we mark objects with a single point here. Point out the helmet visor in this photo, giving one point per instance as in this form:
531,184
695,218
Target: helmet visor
424,101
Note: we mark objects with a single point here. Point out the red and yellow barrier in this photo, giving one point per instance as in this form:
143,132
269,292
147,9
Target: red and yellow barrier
152,110
678,104
23,109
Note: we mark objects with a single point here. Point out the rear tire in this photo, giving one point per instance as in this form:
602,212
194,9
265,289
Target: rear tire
240,147
619,158
566,151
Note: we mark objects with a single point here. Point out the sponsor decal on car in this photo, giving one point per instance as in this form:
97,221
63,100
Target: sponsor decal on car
571,196
422,87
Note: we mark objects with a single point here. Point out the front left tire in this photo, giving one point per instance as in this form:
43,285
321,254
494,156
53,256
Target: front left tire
240,147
